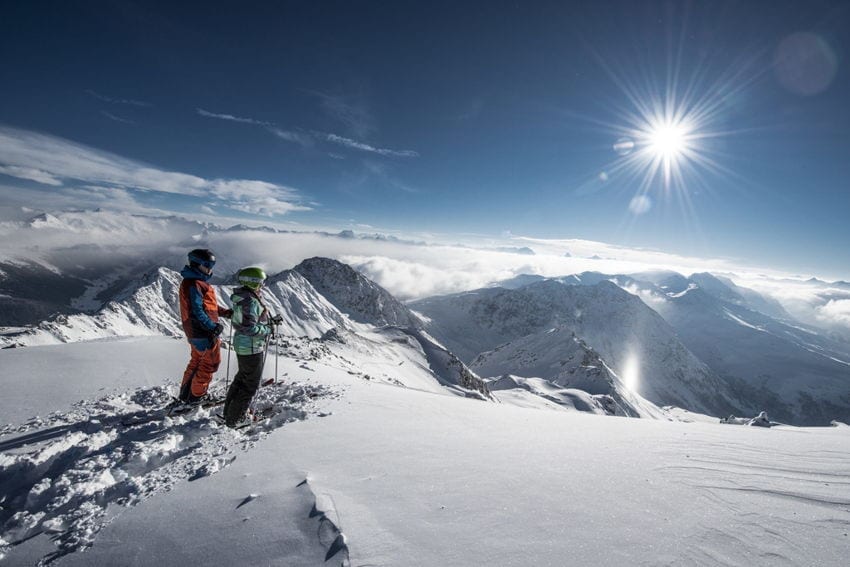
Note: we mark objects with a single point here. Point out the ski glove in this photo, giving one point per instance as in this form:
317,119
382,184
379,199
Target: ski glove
277,319
216,330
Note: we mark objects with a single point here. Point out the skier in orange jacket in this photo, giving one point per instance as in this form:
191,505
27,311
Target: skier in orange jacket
200,313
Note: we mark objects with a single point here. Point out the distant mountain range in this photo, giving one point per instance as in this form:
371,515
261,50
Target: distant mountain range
529,332
699,342
352,319
621,344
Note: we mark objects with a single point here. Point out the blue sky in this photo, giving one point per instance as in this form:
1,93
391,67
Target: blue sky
489,118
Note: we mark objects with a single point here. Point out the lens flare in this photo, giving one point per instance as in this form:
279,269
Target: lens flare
631,372
624,146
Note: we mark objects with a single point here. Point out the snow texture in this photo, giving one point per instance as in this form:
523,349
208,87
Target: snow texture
61,474
399,470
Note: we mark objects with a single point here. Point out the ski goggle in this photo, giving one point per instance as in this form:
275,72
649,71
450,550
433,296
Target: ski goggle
203,262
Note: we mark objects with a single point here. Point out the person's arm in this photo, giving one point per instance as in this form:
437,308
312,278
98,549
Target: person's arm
196,305
251,324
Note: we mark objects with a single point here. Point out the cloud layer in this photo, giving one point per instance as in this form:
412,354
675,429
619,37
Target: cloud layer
54,161
410,269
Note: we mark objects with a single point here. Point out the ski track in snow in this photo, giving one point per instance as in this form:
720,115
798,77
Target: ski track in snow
64,475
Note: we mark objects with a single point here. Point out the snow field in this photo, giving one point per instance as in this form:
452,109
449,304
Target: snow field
64,474
443,481
399,474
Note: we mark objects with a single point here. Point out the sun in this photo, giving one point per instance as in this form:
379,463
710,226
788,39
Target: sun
666,146
668,140
664,143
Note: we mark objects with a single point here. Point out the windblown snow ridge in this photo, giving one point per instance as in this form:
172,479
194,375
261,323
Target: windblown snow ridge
329,530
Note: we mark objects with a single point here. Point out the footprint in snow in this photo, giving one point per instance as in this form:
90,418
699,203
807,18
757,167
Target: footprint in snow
247,499
59,474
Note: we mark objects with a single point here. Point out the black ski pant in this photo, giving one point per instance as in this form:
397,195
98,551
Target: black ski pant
245,385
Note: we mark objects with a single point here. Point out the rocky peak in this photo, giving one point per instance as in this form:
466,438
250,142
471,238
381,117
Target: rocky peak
354,294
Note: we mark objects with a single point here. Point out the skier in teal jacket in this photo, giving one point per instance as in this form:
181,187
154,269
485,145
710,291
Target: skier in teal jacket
251,330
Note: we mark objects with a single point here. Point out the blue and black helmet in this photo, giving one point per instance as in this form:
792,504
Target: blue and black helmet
202,257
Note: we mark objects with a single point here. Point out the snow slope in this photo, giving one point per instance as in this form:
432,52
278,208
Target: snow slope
563,361
394,475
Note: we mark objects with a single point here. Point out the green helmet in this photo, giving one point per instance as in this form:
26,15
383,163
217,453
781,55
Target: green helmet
252,277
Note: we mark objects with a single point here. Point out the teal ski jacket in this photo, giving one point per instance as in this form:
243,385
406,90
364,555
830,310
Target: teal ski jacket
250,322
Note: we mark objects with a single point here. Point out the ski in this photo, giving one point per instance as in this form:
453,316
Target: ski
174,408
252,418
255,418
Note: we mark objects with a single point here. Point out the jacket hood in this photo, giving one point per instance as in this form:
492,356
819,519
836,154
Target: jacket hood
190,273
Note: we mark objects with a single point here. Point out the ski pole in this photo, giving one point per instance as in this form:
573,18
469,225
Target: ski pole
276,352
229,348
266,350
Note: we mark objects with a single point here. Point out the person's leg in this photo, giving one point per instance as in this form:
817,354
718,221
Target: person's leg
189,374
245,385
237,386
209,358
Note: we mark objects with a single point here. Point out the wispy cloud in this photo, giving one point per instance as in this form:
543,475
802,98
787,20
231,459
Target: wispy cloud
351,111
308,139
28,154
354,144
30,173
116,118
111,100
297,137
381,171
232,118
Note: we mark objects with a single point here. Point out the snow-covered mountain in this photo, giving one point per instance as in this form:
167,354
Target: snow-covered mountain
796,372
534,324
355,294
579,376
77,261
572,365
146,307
314,326
31,292
304,310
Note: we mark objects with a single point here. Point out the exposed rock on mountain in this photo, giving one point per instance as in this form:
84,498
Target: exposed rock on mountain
354,294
